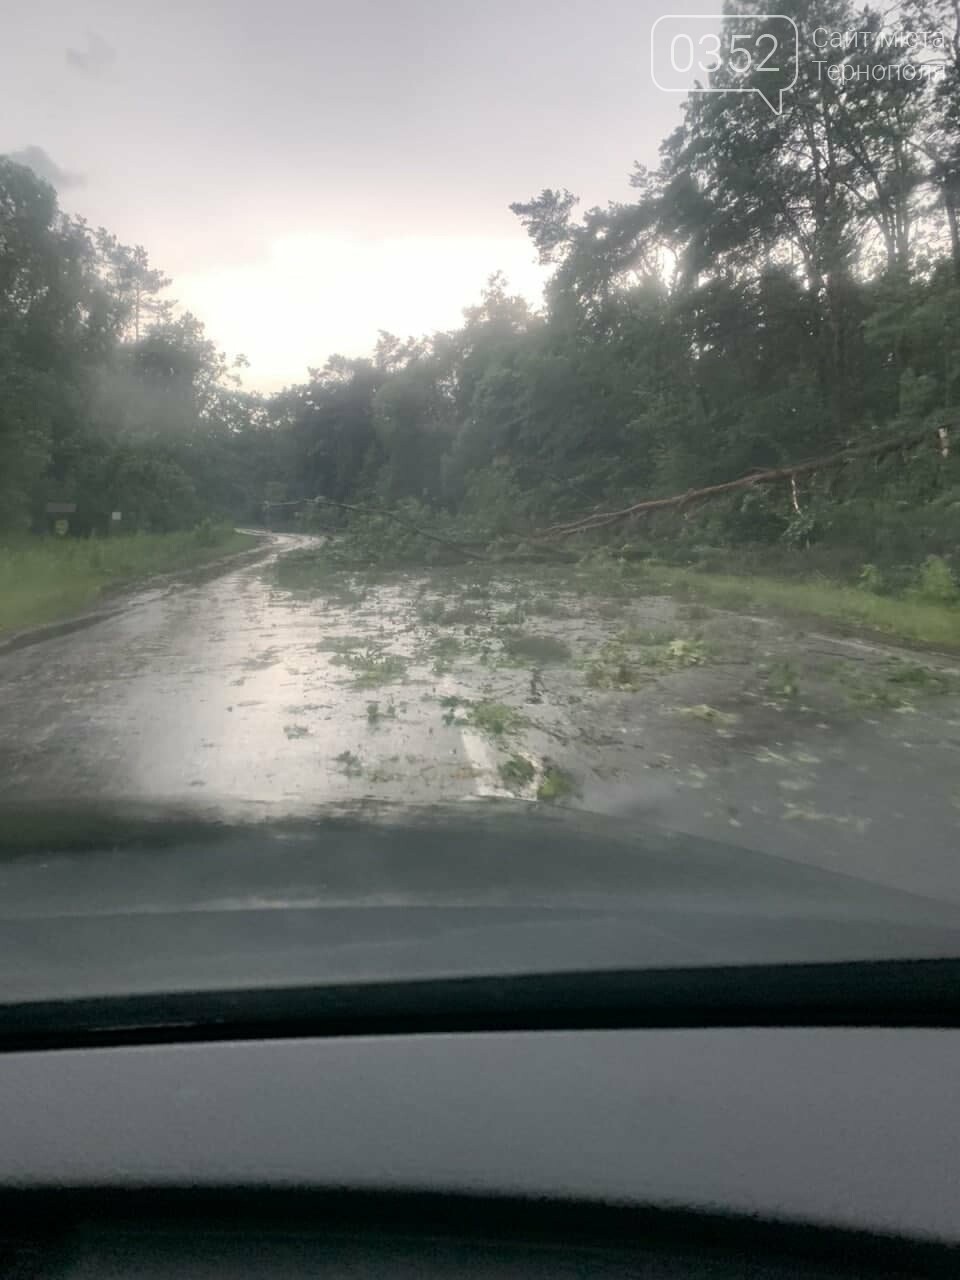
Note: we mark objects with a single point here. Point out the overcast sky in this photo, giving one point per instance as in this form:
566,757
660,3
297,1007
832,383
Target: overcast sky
309,172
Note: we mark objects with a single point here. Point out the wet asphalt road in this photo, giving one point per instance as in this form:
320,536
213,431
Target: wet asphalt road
228,695
214,694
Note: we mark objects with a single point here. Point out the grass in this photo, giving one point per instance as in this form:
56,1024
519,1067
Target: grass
443,651
458,614
613,669
350,764
48,578
446,647
375,714
899,688
517,772
494,718
515,616
782,681
709,715
920,678
556,784
545,607
340,644
372,667
647,637
522,649
629,662
905,617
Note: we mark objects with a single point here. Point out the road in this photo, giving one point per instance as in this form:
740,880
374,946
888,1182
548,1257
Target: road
221,691
244,698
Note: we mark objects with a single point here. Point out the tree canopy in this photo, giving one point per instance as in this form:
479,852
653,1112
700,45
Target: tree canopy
780,287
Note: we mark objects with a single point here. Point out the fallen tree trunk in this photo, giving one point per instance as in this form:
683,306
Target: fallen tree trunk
773,475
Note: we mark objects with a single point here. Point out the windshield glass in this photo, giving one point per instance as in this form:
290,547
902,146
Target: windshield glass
532,409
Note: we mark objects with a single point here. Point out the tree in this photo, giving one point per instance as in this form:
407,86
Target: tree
134,285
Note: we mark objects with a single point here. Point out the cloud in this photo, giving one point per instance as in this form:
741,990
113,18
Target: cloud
96,59
43,166
313,294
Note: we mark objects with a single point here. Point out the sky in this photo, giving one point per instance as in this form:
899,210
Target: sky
309,172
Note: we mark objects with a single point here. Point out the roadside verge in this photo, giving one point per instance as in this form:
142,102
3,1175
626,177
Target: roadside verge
114,596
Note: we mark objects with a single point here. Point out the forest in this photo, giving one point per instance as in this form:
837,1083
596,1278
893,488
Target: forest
779,288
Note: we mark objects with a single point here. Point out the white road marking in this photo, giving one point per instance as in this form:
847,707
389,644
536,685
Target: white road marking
480,755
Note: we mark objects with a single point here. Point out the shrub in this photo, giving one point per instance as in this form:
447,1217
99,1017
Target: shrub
871,579
206,533
556,784
516,772
935,582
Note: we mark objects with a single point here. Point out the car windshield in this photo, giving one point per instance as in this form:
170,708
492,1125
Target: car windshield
548,410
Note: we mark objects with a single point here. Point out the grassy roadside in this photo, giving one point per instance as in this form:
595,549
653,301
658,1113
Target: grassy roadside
42,580
899,617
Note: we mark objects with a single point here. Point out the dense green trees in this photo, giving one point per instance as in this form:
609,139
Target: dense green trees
779,287
106,399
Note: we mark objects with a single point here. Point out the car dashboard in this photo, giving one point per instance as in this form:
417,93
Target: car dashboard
801,1150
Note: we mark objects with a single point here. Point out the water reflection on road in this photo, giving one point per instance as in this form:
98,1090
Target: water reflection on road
236,696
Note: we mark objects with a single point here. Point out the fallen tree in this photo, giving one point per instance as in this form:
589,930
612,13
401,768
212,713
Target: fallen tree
478,551
938,437
468,550
536,544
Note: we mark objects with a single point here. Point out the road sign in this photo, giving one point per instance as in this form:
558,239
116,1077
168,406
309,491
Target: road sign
116,515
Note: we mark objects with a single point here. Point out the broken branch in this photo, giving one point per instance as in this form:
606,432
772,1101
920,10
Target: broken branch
407,524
